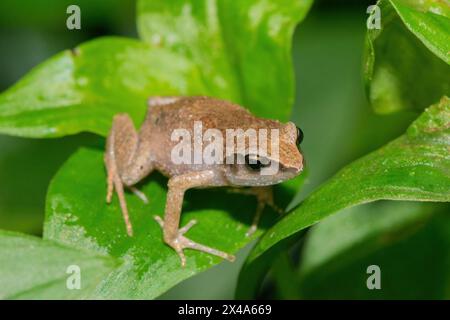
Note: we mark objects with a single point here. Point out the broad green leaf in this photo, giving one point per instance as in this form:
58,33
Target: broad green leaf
415,166
77,215
358,230
407,61
407,242
189,52
252,275
22,204
429,21
81,90
32,268
240,47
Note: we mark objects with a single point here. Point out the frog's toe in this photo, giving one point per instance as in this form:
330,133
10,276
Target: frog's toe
179,242
186,243
159,220
186,228
139,194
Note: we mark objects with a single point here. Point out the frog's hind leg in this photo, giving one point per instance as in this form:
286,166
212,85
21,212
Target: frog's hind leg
264,197
121,147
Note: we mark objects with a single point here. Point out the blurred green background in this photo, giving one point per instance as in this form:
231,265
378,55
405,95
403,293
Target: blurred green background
331,108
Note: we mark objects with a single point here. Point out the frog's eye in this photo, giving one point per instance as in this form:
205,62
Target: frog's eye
299,136
255,163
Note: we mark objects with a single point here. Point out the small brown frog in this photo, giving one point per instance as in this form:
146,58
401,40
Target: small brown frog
131,156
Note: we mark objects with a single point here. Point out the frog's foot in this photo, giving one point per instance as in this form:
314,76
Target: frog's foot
180,242
114,182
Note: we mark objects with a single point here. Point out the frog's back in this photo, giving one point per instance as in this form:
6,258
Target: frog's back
211,112
184,113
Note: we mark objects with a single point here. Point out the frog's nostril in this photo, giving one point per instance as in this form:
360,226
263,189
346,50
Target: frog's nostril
299,136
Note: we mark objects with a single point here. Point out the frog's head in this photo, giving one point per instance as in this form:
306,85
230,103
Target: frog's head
282,160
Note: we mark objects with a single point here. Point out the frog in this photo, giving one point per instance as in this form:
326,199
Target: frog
132,155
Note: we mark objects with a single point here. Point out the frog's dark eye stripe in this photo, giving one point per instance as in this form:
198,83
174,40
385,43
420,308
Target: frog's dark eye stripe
299,136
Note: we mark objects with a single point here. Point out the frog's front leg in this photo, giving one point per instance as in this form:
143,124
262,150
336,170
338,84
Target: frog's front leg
173,235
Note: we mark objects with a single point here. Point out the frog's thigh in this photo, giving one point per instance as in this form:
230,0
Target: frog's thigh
122,142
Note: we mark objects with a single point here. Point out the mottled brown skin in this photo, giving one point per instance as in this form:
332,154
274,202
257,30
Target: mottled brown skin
130,156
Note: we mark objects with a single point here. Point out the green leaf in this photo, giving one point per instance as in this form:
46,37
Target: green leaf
415,166
189,52
32,268
81,90
396,236
355,231
429,21
253,272
26,213
285,278
240,47
407,61
77,215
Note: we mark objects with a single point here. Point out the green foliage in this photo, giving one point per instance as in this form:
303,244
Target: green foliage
408,241
81,89
355,229
22,203
240,51
242,48
407,61
32,268
415,166
78,216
